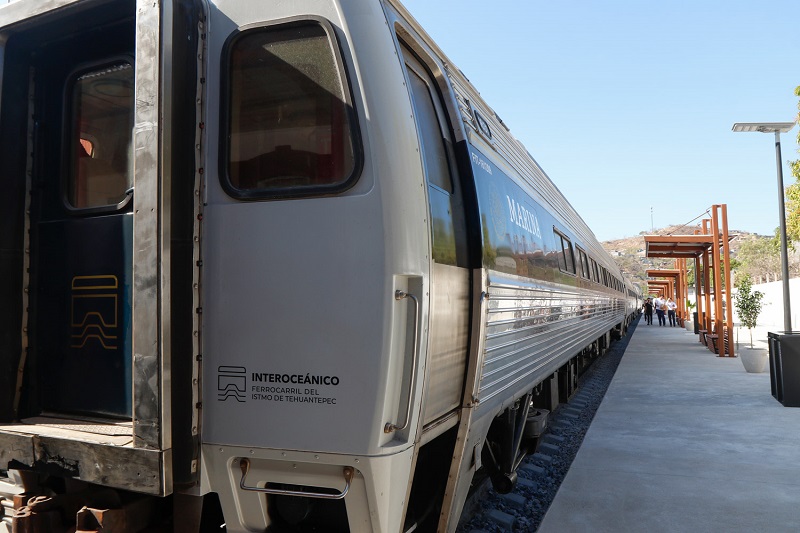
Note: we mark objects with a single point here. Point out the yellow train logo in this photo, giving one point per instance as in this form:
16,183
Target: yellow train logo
94,313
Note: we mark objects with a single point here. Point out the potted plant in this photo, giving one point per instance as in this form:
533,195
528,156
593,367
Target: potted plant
689,322
748,307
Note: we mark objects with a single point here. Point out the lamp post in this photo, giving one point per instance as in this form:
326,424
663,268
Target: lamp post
777,128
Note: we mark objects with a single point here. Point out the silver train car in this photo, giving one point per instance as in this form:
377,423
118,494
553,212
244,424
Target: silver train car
275,264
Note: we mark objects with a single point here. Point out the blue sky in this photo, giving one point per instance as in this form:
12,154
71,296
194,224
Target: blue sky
629,105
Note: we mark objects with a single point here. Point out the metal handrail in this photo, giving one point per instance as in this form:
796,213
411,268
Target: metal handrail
348,472
389,427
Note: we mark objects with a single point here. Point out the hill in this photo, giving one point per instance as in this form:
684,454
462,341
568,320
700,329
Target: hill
629,252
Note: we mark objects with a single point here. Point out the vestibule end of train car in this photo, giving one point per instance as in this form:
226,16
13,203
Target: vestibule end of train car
88,248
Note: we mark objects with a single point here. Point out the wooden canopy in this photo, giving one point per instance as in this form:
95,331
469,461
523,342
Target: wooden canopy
710,250
677,246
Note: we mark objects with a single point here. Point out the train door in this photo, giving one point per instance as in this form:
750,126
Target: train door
450,282
81,223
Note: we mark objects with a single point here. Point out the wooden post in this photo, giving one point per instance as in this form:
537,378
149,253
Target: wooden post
707,281
717,271
726,261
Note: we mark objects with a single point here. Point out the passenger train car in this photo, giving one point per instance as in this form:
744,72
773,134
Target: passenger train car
277,259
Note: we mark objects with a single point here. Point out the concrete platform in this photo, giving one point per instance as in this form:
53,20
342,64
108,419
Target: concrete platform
684,441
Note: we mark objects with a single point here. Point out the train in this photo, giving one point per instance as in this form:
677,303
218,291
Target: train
275,266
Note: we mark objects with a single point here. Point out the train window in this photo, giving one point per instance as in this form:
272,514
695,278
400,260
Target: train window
565,259
430,131
100,136
569,256
290,121
583,261
436,149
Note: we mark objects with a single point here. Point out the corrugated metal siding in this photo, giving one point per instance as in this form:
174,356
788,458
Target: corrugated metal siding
533,328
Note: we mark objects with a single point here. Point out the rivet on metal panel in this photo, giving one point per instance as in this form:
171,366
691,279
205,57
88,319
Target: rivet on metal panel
199,357
194,381
316,457
252,452
194,465
283,454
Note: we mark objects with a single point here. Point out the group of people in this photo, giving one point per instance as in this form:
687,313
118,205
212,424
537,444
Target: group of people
664,309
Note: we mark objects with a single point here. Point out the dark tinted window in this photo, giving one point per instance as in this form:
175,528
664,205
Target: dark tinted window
290,123
101,136
434,154
583,261
565,259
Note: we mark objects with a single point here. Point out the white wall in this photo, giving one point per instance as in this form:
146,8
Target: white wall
772,304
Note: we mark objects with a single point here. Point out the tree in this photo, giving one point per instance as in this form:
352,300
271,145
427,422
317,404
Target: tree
793,195
758,256
748,304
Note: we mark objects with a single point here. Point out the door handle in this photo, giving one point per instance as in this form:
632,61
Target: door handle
389,427
348,473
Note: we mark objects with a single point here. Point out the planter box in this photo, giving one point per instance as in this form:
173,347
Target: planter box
784,367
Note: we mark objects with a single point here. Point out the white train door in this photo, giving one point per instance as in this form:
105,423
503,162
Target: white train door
449,297
450,284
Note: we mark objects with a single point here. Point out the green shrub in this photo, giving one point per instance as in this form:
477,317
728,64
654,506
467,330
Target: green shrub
748,304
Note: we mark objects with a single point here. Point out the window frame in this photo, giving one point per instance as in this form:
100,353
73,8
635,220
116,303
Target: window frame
442,118
68,121
583,260
225,115
564,242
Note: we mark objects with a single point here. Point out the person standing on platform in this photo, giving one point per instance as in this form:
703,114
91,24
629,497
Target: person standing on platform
661,308
648,311
671,307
